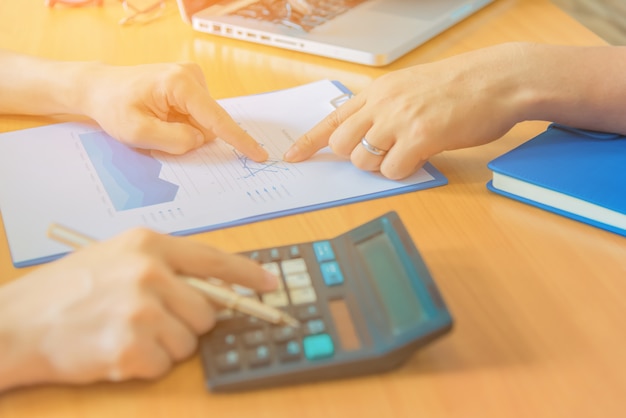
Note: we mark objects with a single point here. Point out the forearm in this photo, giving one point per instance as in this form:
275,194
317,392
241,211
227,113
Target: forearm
583,87
19,362
36,86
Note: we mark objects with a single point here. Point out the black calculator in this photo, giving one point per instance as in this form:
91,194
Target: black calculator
365,301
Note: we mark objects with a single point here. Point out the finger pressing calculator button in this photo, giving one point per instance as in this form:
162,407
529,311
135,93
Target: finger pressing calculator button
318,346
228,361
272,267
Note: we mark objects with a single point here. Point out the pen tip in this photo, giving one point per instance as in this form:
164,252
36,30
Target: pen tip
291,321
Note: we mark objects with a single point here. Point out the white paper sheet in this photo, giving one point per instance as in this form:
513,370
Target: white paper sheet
76,175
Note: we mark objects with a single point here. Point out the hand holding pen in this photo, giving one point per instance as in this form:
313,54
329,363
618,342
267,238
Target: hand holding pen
116,309
222,295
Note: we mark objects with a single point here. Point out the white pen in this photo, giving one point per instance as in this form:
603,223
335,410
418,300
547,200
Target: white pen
220,294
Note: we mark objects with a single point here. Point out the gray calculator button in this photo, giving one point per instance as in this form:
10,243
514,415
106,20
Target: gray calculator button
254,337
255,256
307,312
315,326
252,321
289,351
224,342
260,356
228,361
294,251
282,334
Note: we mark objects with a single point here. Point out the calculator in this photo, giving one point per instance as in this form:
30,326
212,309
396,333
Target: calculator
365,301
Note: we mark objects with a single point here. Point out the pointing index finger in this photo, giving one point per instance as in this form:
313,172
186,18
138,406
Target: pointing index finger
226,128
212,116
317,137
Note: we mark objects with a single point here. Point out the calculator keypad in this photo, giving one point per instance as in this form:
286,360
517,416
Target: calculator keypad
241,341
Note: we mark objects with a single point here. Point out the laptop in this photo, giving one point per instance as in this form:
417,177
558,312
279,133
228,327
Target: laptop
370,32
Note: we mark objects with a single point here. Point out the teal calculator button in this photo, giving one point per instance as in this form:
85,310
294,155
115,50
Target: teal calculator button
331,272
323,251
318,346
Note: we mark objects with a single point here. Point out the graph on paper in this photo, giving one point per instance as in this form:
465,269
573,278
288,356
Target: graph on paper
130,177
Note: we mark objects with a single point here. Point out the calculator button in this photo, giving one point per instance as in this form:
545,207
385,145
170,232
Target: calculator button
315,326
289,351
282,334
307,312
228,361
302,295
331,273
255,256
259,356
294,251
318,346
298,280
255,337
223,342
277,299
273,268
275,254
252,321
323,251
296,265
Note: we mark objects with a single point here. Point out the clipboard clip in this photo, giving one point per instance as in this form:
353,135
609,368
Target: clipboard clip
339,100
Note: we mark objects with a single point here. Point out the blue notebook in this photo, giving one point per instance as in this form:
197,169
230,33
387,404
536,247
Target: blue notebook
575,173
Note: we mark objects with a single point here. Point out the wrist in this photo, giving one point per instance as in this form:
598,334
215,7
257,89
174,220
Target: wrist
518,84
75,86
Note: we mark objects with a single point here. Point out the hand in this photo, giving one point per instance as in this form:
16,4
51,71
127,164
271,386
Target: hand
115,310
420,111
161,106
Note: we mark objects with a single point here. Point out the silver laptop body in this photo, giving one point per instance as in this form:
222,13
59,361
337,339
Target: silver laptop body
374,32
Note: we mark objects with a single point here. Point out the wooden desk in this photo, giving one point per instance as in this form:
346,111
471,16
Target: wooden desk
539,300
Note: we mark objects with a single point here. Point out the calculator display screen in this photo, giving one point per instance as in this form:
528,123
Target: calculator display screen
395,291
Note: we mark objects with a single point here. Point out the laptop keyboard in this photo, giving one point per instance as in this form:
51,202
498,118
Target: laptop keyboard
288,12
